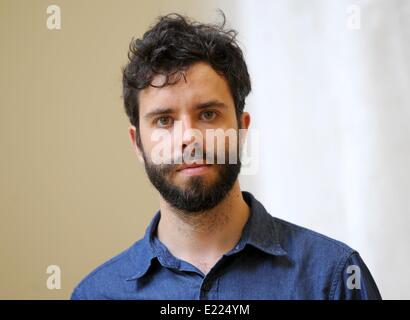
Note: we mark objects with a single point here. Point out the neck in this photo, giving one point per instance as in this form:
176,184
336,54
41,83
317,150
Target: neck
202,238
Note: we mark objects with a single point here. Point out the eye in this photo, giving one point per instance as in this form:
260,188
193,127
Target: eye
164,121
208,115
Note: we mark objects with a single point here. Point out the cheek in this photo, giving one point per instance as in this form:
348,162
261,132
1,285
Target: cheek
146,140
161,146
222,146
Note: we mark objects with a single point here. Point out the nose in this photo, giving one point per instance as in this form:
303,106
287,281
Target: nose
189,131
192,137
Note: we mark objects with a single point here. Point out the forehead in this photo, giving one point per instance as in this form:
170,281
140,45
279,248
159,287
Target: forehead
202,83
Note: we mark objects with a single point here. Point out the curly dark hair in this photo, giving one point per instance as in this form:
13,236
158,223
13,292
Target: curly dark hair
172,45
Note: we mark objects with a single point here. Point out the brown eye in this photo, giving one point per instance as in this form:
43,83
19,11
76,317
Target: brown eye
208,115
164,121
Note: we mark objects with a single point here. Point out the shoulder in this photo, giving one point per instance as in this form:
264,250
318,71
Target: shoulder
303,240
105,278
315,255
340,269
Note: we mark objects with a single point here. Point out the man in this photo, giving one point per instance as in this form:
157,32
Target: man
209,240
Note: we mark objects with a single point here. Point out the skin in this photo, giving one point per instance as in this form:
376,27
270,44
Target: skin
200,239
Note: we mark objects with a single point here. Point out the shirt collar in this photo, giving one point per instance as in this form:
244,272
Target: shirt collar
142,252
260,231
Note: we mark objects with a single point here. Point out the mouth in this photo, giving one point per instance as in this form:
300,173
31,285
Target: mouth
194,169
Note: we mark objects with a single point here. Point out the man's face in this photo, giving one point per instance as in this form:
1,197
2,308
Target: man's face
199,102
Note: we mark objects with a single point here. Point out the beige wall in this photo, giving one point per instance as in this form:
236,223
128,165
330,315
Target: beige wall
72,193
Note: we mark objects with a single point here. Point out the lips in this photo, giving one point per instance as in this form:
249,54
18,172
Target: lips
191,166
194,169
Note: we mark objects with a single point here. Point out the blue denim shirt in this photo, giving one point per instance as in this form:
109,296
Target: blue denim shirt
273,259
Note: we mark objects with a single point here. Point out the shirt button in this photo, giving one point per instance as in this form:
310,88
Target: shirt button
206,286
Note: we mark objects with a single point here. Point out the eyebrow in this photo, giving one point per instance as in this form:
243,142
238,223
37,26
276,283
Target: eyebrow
203,105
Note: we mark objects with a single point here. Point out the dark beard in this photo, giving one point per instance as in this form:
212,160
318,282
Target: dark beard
197,196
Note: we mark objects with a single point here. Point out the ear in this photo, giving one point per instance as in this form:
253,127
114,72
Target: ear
133,135
245,120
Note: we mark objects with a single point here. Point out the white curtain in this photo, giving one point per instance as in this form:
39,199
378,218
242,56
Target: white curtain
331,100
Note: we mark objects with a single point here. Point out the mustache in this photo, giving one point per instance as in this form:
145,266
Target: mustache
197,155
167,168
211,160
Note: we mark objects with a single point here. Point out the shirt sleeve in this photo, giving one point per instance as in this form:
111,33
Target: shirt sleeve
77,294
353,281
